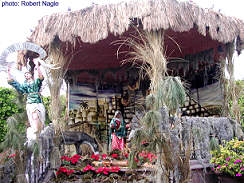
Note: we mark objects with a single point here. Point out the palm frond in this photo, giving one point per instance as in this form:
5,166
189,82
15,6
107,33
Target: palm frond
172,92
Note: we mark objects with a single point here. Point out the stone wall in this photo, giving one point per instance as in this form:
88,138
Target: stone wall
202,130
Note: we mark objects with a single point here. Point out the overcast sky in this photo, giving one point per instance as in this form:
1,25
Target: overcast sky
17,22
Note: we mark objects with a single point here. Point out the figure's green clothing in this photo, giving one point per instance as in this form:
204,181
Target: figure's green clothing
121,129
31,89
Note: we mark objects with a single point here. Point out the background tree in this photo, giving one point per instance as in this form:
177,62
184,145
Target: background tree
9,105
47,103
14,142
15,132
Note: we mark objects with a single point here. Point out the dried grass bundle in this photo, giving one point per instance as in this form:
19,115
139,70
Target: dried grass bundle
148,50
148,54
154,15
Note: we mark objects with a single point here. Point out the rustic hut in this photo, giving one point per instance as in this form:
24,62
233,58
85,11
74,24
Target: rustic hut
197,41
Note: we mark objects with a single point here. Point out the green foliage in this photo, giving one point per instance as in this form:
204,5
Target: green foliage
151,123
47,102
170,95
240,83
131,160
140,136
14,141
15,127
214,145
8,107
15,136
63,105
229,159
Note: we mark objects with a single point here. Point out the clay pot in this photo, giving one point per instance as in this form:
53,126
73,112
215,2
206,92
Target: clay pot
106,163
121,163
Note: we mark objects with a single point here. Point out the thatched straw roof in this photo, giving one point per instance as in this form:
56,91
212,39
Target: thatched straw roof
97,22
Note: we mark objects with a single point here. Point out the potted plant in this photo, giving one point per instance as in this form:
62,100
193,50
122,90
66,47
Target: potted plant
228,161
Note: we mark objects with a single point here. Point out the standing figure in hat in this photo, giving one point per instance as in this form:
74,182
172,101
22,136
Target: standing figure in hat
117,132
34,106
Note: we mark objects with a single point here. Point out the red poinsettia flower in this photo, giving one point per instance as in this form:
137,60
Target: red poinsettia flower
70,172
12,155
99,170
76,156
151,156
89,167
61,170
64,170
144,142
73,161
58,172
95,157
107,169
65,158
125,155
114,155
142,154
137,160
103,170
104,156
114,169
